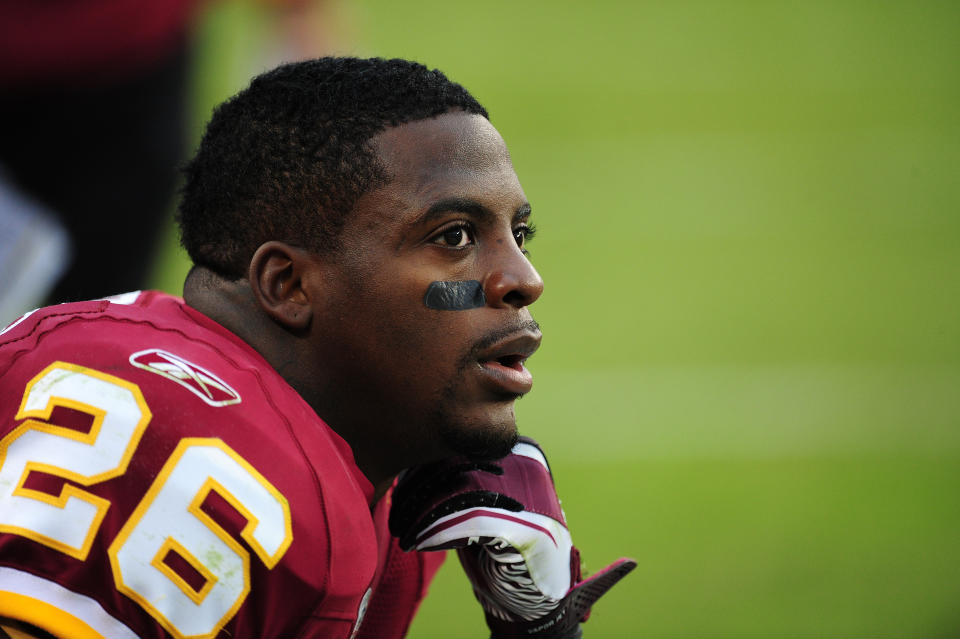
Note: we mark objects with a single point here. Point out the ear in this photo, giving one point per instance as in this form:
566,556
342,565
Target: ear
277,279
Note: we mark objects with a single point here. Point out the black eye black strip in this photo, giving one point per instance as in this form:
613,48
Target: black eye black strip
455,296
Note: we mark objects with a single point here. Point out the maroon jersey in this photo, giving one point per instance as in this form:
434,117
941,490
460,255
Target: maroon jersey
158,478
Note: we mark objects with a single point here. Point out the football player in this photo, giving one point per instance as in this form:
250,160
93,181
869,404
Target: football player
225,464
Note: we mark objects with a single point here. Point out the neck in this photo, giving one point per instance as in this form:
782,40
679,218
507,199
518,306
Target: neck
232,304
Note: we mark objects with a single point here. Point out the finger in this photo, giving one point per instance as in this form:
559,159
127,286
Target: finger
586,593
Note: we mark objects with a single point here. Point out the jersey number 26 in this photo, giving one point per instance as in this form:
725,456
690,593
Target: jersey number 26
168,519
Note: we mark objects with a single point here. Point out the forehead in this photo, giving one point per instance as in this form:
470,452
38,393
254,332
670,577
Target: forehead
445,155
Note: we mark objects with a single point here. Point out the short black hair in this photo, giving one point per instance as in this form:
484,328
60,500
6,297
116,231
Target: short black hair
287,158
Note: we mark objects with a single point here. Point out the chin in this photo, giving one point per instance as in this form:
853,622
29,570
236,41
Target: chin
480,441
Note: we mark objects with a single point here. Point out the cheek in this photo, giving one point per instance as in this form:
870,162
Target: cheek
431,343
409,323
404,326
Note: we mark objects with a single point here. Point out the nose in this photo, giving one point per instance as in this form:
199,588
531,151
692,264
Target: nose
512,282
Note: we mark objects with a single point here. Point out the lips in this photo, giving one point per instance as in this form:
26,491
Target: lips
502,364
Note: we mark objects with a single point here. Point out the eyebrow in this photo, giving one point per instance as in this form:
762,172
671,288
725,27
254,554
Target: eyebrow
470,207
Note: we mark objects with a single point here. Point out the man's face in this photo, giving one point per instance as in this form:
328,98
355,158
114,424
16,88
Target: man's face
440,380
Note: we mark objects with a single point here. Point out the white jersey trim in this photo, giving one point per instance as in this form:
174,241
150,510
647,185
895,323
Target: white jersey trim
83,608
123,298
529,450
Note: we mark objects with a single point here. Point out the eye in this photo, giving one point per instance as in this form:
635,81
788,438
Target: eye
523,234
455,237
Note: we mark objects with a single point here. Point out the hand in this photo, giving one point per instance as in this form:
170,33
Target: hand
510,533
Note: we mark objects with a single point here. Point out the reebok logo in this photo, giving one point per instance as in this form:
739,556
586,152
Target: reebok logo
195,379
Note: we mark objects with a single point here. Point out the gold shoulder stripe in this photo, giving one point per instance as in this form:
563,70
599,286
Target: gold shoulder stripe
44,616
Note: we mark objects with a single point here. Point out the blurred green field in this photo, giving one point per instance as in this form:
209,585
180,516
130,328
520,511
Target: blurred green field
749,220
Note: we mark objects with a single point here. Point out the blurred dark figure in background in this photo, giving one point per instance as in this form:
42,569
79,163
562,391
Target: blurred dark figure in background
92,127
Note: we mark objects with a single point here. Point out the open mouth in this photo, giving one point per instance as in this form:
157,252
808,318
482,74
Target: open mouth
507,374
502,364
511,361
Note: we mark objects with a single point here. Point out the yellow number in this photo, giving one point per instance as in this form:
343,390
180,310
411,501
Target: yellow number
68,522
